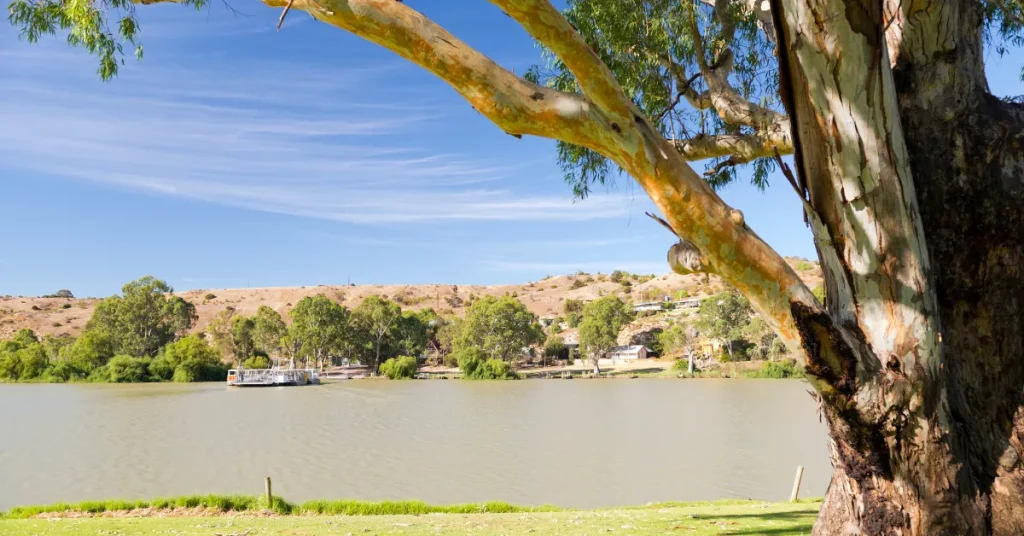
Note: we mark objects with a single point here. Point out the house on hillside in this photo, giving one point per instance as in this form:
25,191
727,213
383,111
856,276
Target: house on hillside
647,306
623,354
571,337
687,303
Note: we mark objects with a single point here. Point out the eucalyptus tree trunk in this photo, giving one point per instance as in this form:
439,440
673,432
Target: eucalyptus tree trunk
913,182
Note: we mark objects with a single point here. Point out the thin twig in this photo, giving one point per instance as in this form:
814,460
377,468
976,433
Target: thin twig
788,173
284,13
801,192
663,222
1007,12
731,161
679,94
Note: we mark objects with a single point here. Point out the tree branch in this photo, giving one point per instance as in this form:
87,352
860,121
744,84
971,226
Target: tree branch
742,147
727,101
547,25
516,105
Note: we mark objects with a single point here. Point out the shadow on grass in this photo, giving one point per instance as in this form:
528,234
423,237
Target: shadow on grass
791,523
792,530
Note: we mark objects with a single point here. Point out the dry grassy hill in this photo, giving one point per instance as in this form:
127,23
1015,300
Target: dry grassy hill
544,298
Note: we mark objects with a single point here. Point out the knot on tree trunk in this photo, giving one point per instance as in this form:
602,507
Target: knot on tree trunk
685,258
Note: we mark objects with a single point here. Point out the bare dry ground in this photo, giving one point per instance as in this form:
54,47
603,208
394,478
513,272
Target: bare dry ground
544,298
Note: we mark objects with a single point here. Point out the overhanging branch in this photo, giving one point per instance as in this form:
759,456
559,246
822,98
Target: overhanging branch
731,106
741,147
547,25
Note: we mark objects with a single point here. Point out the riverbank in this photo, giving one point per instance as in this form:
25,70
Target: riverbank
647,368
247,515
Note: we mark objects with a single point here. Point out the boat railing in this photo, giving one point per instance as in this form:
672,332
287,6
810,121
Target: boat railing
269,376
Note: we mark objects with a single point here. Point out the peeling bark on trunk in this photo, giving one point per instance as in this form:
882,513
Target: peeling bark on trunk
927,422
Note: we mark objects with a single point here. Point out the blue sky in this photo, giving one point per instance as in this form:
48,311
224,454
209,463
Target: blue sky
234,155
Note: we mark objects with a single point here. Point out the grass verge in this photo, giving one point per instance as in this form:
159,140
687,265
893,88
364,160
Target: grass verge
254,503
241,515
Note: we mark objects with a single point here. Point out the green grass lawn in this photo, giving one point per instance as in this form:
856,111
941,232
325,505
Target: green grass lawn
716,518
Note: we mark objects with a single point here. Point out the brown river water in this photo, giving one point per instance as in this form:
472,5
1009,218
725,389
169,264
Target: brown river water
580,443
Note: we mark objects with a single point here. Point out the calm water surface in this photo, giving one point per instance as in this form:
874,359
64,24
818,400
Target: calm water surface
570,443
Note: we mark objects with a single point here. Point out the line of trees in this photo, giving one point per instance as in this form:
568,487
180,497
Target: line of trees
139,335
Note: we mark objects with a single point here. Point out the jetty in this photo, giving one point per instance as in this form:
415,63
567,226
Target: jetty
271,377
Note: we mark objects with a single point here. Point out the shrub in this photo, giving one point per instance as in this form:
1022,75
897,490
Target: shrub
556,327
63,372
573,320
572,306
469,359
210,296
475,366
257,362
56,324
127,369
189,348
803,266
577,284
496,369
65,306
400,368
555,348
195,370
161,368
618,275
786,368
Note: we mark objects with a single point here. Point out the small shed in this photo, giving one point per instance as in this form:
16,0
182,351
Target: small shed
621,354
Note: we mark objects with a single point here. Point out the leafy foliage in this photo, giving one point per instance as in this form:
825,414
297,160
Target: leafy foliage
144,318
725,317
117,343
243,343
555,348
475,365
501,327
268,330
379,324
602,320
86,24
786,368
677,338
319,326
642,42
257,362
399,368
127,369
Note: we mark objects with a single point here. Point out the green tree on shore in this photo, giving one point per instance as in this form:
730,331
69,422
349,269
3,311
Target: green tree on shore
144,318
502,327
319,327
724,317
603,318
268,331
378,321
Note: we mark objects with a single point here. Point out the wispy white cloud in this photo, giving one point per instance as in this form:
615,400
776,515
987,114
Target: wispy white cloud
643,267
271,136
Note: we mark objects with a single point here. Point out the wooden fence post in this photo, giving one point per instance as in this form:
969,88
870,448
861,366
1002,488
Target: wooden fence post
270,496
793,497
